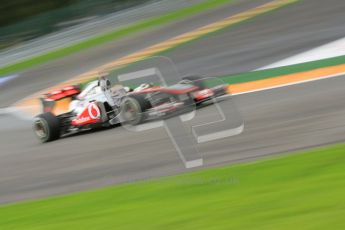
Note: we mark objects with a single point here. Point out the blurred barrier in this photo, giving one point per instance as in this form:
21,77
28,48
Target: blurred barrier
57,18
86,28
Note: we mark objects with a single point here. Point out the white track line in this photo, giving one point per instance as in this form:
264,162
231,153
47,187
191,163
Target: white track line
6,79
330,50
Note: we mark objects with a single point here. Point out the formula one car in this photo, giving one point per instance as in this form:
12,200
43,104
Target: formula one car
100,105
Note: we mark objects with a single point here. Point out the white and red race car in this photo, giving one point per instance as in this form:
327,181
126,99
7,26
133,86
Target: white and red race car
100,105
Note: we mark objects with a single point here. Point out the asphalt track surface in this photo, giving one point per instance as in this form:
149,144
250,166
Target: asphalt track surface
276,121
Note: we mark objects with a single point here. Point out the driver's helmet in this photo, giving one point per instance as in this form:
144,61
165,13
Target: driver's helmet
103,81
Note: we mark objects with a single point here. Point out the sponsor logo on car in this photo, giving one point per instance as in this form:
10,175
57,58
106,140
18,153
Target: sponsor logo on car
94,111
91,114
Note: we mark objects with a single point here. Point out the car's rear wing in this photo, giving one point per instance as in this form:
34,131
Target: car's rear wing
68,91
58,101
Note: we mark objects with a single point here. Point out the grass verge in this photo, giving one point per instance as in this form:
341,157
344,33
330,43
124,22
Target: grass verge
280,71
299,191
117,34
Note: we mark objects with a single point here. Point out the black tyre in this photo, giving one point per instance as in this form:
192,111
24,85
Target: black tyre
46,127
133,109
196,80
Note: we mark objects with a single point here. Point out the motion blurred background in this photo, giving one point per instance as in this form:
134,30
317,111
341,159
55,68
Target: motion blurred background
22,20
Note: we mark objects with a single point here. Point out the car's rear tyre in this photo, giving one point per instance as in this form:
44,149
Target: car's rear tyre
46,127
196,80
133,108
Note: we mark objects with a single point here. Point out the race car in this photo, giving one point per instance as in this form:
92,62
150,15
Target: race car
101,105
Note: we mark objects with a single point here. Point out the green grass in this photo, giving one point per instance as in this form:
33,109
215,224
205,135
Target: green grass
298,191
280,71
117,34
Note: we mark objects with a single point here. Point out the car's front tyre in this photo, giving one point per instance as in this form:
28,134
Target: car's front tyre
133,108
